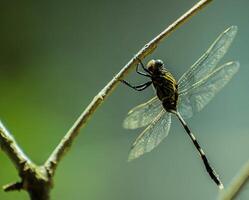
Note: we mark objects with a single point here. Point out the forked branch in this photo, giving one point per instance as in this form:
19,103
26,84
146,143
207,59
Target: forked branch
37,180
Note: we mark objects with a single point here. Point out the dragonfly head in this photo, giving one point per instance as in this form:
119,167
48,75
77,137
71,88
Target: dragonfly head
155,66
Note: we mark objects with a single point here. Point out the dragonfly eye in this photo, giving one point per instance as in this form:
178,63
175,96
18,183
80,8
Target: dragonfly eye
151,65
158,63
155,66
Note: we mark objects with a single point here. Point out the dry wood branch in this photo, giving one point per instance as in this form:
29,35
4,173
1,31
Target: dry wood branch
66,142
237,184
11,148
37,180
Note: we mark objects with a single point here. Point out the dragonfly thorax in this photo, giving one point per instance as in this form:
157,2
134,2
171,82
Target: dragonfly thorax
164,84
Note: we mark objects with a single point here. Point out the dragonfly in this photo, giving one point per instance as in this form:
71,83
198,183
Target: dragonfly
183,98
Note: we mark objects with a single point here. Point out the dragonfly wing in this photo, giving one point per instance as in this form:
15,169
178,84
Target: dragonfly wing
209,60
143,114
152,135
199,95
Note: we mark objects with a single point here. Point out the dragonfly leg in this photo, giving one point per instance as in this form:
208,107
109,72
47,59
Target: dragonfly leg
144,68
137,87
142,73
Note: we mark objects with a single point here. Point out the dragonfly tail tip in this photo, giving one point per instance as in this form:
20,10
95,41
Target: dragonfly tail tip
221,186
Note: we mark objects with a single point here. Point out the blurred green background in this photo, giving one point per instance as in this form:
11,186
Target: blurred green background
56,55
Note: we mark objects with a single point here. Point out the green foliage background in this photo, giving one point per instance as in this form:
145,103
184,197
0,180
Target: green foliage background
56,55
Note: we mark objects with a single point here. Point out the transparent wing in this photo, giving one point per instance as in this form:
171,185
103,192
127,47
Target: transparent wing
209,60
151,136
199,95
143,114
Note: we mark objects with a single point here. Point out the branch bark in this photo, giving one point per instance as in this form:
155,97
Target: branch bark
34,179
237,184
37,180
11,148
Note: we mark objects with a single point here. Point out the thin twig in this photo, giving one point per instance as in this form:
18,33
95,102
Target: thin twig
11,148
66,142
237,184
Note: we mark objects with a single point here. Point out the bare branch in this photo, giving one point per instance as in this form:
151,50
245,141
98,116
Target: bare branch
38,180
237,184
66,142
13,186
11,148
